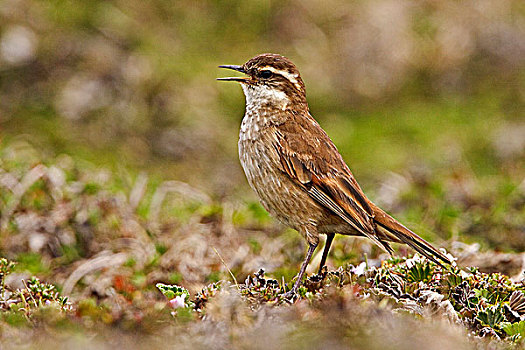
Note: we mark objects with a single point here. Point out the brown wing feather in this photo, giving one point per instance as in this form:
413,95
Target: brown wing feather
319,169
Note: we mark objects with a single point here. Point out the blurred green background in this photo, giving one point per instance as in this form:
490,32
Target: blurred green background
424,99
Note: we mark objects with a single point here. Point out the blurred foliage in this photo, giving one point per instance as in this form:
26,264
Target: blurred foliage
446,304
138,230
393,82
19,306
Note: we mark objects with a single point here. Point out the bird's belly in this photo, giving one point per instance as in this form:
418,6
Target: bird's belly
281,197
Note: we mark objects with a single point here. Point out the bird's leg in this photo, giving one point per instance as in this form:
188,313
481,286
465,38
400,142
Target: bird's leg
309,253
329,240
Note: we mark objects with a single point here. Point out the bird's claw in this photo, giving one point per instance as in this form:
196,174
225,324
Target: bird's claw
290,295
323,270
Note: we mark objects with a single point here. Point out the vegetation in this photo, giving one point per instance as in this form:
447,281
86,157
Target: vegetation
126,219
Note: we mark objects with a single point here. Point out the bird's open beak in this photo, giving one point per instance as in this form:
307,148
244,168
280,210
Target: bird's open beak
238,69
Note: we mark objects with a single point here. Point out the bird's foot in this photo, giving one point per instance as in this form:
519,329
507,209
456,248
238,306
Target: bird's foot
290,295
323,270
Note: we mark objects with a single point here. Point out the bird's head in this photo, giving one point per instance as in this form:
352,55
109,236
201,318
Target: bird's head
270,79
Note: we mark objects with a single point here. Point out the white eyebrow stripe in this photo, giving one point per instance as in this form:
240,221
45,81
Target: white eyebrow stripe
291,77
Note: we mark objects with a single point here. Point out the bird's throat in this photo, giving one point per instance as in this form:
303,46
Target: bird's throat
262,96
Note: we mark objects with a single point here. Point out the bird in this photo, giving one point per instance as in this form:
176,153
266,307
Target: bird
296,170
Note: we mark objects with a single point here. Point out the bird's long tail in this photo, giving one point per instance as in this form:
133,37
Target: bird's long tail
396,232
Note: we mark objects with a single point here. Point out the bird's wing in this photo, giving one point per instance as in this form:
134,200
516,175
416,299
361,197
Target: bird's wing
311,160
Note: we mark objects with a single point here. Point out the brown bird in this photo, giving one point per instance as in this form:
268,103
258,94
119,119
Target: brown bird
296,170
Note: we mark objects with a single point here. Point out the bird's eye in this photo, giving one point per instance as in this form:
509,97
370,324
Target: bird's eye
265,74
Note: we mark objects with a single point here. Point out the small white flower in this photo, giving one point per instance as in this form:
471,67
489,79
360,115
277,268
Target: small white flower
359,269
178,301
413,260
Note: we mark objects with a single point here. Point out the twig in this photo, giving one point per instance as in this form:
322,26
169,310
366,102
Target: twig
227,268
30,294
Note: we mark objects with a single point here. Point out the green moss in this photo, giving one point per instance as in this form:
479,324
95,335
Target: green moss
213,277
258,212
175,278
139,279
91,188
31,262
15,318
254,245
